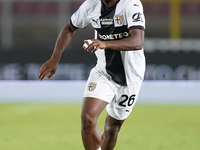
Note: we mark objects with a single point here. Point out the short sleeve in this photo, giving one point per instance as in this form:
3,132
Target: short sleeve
79,18
134,15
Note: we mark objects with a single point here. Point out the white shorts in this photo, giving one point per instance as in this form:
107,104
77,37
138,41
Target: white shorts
121,99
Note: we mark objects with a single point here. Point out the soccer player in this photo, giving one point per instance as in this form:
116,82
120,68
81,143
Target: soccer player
115,81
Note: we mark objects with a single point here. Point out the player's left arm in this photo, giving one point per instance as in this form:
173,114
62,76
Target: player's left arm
134,42
133,10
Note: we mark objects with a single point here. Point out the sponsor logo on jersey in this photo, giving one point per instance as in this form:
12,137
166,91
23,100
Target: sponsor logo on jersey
92,86
137,17
96,21
136,5
114,36
119,19
106,21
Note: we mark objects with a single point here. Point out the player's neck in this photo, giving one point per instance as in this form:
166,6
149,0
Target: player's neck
109,3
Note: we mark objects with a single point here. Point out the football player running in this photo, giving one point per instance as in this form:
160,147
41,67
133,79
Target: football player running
114,83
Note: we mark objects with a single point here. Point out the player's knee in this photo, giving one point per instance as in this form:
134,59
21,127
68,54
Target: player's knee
111,132
88,121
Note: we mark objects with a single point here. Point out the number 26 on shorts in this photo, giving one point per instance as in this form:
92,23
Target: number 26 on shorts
126,100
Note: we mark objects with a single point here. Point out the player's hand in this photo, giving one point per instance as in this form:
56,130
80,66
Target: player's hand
92,45
48,69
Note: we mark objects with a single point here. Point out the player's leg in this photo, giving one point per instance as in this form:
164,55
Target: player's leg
91,109
110,134
118,110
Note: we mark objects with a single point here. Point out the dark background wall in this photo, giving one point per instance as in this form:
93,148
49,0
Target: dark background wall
28,38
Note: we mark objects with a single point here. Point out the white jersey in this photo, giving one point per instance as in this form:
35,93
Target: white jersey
114,23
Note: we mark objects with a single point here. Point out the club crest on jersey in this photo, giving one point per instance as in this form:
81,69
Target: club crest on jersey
119,19
106,21
92,86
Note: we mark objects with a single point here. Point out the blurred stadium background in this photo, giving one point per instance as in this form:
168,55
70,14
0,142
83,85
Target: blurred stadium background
29,28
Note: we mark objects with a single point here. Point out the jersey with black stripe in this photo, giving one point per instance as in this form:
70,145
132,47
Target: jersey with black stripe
114,23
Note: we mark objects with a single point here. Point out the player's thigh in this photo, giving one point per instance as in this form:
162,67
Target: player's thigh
92,107
98,93
112,123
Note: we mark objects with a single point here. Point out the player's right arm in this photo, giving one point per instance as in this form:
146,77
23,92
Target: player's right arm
78,20
49,67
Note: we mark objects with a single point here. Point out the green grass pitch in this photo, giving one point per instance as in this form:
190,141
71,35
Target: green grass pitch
57,127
